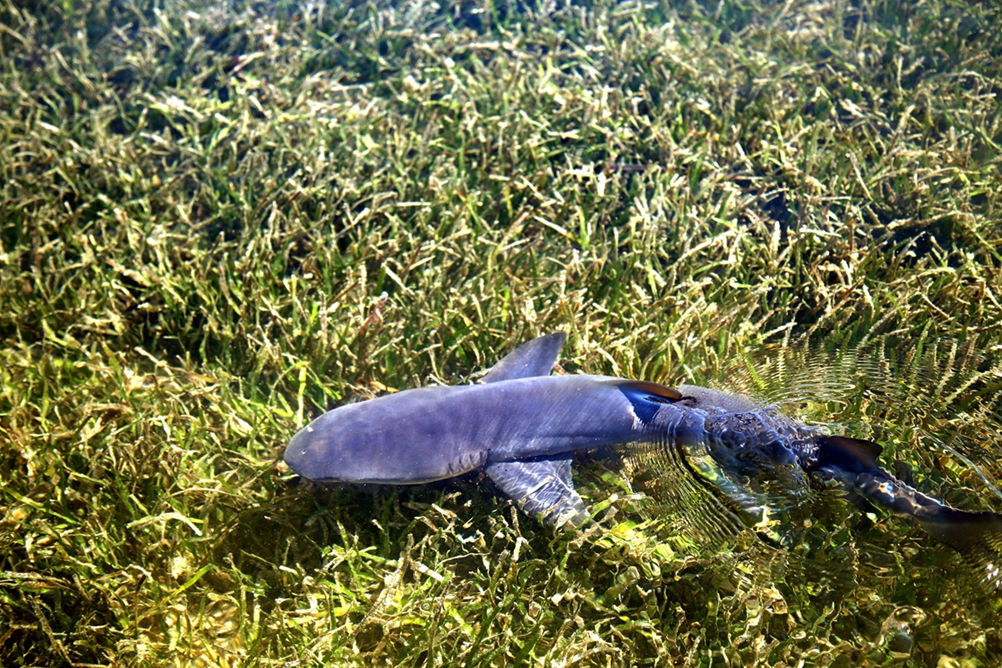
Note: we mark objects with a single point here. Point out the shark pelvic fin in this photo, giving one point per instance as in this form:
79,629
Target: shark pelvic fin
533,358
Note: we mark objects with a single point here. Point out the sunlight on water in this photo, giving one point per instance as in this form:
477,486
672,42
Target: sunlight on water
876,582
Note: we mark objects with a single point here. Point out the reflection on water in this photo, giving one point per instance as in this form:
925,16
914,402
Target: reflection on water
810,557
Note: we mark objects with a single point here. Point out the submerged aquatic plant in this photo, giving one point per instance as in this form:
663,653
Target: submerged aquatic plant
203,204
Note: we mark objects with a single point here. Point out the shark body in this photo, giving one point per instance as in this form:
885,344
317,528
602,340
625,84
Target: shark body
519,424
522,426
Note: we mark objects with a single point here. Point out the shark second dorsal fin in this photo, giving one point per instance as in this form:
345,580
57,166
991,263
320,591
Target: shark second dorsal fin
534,358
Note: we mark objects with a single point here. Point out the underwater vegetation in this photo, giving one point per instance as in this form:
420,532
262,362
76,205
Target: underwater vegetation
219,220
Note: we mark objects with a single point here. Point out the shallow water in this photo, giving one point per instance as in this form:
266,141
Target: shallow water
815,573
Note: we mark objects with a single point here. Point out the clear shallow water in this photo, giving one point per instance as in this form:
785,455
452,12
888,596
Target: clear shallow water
814,572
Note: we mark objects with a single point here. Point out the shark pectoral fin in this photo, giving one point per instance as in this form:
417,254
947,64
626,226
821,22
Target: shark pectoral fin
542,488
851,455
533,358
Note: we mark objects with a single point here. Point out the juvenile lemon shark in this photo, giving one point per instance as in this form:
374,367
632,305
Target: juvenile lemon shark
521,426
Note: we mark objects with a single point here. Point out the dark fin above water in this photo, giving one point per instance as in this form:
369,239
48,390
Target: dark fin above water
534,358
542,488
851,455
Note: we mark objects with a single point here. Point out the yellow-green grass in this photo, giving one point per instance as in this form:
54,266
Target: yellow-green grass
218,220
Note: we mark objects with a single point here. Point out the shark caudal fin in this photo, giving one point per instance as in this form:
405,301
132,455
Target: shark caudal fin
976,535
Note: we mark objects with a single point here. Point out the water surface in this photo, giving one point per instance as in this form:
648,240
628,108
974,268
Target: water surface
811,572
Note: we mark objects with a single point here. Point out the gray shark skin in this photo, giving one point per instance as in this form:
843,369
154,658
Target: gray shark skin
521,426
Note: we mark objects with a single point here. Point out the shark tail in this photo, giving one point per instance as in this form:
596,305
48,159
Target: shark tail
977,536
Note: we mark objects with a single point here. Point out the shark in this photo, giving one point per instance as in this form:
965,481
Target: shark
521,426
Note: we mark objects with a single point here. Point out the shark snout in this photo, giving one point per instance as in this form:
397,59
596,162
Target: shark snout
307,455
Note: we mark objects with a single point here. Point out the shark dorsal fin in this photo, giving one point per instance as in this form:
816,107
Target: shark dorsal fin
848,454
534,358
